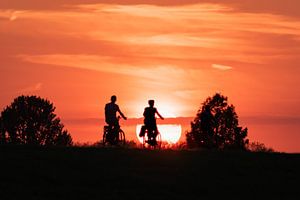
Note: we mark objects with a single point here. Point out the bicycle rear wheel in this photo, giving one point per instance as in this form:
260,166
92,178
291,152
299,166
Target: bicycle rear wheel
152,143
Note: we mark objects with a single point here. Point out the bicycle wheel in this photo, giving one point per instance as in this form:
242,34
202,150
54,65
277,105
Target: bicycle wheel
145,140
158,140
104,137
150,142
122,140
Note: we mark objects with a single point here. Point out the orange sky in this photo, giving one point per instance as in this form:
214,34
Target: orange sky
78,53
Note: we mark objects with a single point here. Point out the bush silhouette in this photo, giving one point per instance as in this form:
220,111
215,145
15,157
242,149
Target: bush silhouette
31,120
259,147
216,126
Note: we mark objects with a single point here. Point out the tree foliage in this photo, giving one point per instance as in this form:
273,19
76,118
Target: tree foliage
31,120
216,126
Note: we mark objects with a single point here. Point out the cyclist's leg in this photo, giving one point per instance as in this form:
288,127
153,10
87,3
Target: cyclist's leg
151,135
147,133
155,133
111,132
115,131
108,130
154,129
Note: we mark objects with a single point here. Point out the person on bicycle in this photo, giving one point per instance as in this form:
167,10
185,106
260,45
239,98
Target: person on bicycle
150,121
111,110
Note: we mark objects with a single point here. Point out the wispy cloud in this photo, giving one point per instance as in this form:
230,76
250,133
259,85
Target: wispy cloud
209,32
163,73
221,67
33,88
163,76
289,8
11,15
144,10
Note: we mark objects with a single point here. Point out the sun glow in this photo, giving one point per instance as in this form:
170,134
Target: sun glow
167,110
170,133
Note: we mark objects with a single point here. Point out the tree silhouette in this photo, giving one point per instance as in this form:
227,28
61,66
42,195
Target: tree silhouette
216,126
31,120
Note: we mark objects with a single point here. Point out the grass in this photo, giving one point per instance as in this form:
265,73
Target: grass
115,173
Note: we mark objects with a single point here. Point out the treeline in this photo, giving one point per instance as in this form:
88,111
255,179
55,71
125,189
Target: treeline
31,120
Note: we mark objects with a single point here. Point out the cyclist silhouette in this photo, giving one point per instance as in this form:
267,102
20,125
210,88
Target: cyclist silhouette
111,118
150,122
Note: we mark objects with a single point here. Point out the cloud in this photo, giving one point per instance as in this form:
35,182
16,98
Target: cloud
221,67
15,15
209,32
163,73
288,8
33,88
10,15
156,75
170,12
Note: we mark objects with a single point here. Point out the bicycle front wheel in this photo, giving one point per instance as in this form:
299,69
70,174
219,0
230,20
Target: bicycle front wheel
122,140
158,140
104,138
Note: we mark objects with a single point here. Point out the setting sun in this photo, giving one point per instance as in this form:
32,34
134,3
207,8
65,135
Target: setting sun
170,133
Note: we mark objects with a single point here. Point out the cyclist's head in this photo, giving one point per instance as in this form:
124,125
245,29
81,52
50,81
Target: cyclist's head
151,103
113,98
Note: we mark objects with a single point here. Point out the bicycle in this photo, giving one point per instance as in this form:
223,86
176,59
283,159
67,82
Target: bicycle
113,135
151,138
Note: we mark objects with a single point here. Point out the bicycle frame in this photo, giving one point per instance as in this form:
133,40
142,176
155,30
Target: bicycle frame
113,135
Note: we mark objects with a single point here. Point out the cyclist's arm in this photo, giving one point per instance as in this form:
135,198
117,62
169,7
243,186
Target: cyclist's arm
159,115
123,116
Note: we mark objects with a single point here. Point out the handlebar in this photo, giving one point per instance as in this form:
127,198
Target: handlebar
119,117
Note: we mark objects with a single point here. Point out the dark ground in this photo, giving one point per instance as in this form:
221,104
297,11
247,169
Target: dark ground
110,173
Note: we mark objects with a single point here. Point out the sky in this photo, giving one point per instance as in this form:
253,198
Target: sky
77,53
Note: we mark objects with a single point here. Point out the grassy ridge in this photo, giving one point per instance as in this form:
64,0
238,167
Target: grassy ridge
95,173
